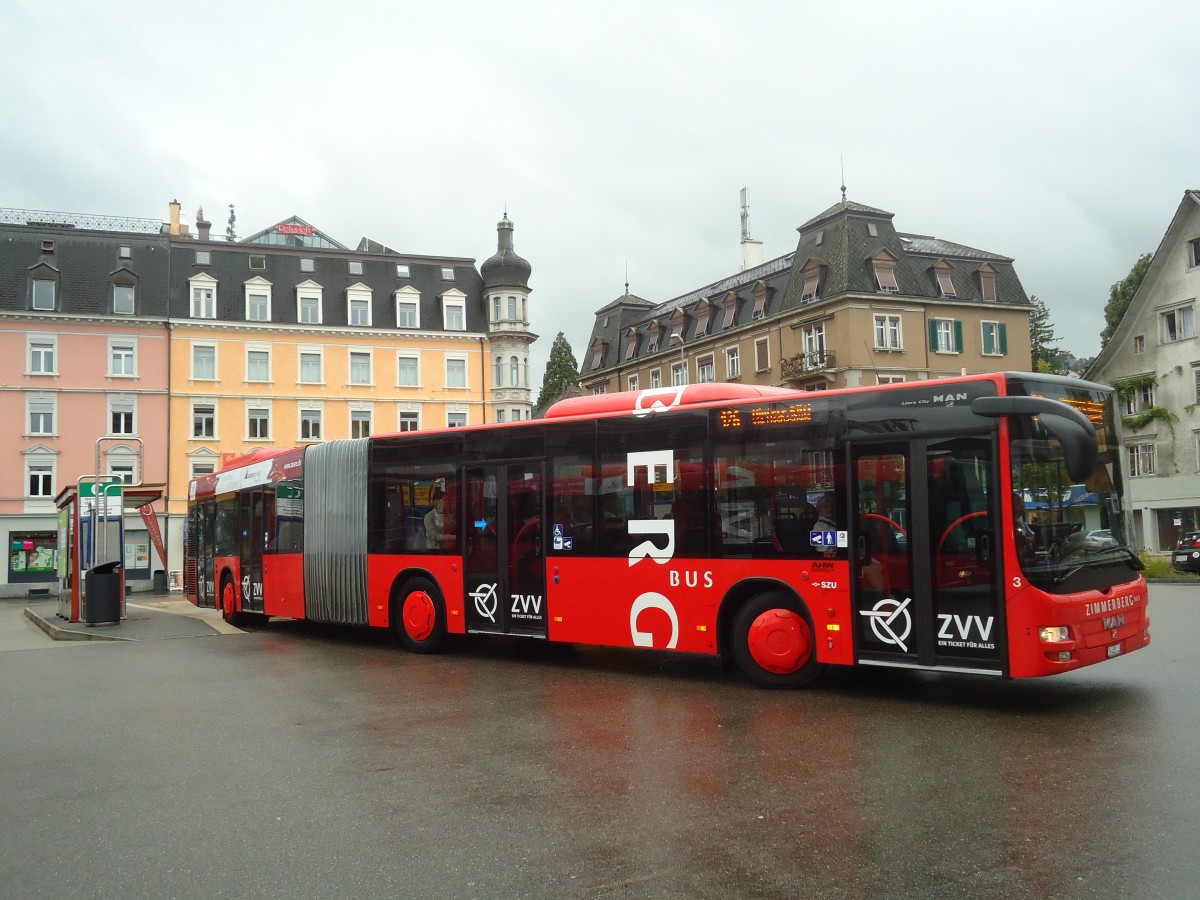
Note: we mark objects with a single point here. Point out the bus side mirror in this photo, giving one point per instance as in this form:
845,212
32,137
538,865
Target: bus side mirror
1071,428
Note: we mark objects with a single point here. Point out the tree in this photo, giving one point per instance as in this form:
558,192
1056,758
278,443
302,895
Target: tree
231,228
1046,357
1120,295
562,371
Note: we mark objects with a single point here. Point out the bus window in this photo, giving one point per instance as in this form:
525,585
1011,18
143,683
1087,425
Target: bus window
405,479
772,496
679,493
289,517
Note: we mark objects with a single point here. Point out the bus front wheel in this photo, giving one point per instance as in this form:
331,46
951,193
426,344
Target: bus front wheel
773,642
419,617
229,611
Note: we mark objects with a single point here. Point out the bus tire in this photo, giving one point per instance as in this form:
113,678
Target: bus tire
773,641
419,616
229,611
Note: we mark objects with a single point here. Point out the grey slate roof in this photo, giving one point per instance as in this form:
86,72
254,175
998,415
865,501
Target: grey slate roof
230,266
85,262
839,240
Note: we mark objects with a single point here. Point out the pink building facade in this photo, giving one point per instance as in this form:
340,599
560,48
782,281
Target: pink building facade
83,385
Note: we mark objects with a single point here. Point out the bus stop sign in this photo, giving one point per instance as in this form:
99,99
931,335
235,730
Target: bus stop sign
108,493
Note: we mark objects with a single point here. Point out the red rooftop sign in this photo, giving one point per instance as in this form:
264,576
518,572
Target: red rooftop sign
294,229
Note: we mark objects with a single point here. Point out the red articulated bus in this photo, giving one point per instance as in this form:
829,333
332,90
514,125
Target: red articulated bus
930,525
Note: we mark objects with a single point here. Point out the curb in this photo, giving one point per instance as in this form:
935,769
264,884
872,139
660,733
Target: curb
58,633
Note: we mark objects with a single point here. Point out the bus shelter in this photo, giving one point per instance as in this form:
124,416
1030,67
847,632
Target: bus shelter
91,538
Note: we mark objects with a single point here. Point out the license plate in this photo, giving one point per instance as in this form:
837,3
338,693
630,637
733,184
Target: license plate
1114,650
1180,557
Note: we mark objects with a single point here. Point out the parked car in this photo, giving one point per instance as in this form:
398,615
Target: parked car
1186,557
1100,540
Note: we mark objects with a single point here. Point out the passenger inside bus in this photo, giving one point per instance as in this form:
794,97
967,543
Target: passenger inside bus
1025,537
435,523
825,514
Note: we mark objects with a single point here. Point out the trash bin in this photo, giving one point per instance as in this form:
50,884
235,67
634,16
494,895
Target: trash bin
160,580
102,590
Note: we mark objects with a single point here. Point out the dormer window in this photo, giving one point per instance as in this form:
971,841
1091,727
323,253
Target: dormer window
447,273
883,265
703,312
761,296
123,299
597,355
812,282
987,283
731,307
632,339
356,267
401,270
944,280
454,310
677,326
44,291
655,338
258,262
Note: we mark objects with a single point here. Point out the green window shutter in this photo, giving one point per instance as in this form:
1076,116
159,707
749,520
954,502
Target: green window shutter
989,338
933,342
1003,339
958,338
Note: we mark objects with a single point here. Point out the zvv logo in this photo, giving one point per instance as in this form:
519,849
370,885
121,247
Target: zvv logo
486,601
891,621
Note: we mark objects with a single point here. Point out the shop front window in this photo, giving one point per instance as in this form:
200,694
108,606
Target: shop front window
32,556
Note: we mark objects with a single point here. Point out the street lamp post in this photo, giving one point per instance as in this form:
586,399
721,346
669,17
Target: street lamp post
678,339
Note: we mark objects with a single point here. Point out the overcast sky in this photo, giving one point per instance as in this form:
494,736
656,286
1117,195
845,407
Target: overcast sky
1060,134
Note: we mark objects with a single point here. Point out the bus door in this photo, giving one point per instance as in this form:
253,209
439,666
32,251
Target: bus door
925,556
504,557
257,528
202,548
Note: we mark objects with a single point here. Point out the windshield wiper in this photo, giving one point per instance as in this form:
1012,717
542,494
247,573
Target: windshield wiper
1133,559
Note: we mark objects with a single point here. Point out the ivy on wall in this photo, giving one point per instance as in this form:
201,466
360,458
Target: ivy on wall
1128,388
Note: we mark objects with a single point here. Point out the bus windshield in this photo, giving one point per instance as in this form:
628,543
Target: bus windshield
1071,534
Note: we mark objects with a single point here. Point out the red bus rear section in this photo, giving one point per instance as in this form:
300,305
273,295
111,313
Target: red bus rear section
942,526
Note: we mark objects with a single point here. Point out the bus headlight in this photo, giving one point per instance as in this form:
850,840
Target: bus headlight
1055,634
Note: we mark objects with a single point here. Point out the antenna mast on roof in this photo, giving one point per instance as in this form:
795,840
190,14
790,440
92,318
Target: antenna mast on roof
745,215
752,253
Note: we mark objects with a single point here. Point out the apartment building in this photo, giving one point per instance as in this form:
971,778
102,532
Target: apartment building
856,303
199,349
1153,359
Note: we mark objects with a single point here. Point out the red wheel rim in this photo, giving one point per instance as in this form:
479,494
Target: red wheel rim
419,615
780,641
228,600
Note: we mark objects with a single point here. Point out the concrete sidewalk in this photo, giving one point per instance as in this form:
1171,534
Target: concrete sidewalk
148,617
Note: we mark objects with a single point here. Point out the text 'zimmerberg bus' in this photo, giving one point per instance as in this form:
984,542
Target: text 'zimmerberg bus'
935,525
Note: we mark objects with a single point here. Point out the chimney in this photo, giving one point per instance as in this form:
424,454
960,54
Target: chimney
752,254
202,225
175,208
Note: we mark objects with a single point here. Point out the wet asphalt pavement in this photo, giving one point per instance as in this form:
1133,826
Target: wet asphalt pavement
298,761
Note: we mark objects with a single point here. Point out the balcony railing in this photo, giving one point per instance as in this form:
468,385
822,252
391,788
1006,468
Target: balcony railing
46,219
804,364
